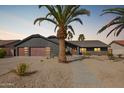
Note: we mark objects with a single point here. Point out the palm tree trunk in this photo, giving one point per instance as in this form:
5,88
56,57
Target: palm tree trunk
62,55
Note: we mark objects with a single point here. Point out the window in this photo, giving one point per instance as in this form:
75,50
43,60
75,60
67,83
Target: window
25,48
26,51
97,49
83,50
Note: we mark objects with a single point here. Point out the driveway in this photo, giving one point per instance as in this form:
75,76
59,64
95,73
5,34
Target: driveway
82,75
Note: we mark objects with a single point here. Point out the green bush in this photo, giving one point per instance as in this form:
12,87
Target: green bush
22,69
87,54
109,54
2,53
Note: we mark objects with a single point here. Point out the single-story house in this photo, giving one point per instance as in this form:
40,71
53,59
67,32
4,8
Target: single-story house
37,45
8,46
94,47
117,47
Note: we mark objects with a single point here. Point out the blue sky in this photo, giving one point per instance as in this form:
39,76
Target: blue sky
17,23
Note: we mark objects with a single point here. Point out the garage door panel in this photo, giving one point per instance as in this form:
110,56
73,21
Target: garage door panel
21,52
38,52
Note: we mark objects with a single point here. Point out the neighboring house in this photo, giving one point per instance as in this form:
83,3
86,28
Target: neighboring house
37,45
8,46
94,47
117,47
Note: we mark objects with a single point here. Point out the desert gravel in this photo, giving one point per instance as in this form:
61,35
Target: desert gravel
95,71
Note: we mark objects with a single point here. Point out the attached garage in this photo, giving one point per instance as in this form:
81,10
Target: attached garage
34,51
36,45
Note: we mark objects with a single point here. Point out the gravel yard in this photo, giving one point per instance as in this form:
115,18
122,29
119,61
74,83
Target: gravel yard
96,71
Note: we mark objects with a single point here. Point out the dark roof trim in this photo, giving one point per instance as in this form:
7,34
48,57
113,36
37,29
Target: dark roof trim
33,36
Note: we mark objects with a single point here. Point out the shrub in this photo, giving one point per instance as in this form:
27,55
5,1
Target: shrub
41,60
119,55
22,69
110,55
2,53
87,54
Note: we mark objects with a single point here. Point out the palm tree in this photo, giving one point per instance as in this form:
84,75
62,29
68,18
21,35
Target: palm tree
81,37
117,22
69,35
62,16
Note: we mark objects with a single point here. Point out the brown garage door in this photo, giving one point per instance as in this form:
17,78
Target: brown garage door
21,52
38,51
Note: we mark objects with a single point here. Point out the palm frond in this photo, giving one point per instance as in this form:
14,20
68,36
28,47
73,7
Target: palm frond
118,32
117,27
111,12
69,13
76,20
71,28
51,10
107,26
118,21
42,19
55,28
49,14
119,11
81,12
67,10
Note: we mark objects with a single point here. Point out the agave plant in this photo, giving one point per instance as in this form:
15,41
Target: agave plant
117,22
62,16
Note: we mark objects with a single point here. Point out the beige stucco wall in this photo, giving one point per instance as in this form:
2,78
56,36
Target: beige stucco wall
117,49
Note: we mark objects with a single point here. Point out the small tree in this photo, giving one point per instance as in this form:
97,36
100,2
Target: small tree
81,37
